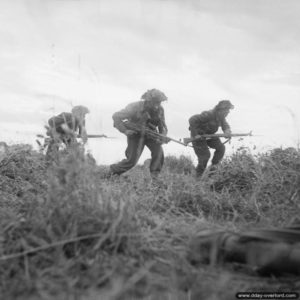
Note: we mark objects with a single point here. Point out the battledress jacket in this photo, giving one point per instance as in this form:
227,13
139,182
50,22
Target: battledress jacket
66,118
207,123
136,113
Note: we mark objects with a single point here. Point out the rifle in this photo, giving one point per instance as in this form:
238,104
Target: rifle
89,136
99,136
148,132
186,141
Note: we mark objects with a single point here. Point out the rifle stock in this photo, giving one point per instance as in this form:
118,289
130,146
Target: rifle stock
144,130
209,136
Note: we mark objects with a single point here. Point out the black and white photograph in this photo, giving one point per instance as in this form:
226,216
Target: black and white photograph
149,149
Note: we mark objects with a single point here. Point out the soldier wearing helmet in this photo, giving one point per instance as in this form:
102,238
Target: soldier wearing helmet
208,122
147,112
66,127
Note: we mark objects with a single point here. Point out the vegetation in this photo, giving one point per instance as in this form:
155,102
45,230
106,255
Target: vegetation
67,233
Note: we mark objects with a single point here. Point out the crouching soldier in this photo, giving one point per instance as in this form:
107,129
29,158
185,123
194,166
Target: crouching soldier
208,122
65,128
148,114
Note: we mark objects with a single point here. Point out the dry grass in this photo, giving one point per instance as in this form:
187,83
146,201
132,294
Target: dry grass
65,233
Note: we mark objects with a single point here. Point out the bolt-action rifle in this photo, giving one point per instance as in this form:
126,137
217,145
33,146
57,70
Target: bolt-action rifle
144,130
51,132
47,139
89,136
186,141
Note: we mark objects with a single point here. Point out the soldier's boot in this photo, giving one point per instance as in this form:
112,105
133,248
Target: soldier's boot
199,171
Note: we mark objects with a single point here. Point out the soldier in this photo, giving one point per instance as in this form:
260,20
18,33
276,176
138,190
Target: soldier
146,113
208,122
66,127
273,251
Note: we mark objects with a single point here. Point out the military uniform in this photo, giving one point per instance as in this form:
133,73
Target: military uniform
74,121
69,119
208,122
138,114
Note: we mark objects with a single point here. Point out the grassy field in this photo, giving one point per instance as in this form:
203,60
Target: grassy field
67,233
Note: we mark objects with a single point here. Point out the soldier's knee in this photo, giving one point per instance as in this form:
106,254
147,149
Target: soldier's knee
222,147
204,156
131,164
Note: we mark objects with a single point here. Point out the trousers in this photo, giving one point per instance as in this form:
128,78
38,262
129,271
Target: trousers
134,150
201,148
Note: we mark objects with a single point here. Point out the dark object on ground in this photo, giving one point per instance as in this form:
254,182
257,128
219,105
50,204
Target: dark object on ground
265,251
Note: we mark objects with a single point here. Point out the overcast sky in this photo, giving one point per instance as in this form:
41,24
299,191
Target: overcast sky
106,53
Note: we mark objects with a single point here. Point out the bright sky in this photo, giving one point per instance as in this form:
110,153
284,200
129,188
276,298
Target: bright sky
106,53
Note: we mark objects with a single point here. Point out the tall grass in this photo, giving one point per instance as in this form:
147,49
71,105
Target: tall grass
79,236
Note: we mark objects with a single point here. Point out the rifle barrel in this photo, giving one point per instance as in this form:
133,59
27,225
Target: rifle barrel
97,136
208,136
176,141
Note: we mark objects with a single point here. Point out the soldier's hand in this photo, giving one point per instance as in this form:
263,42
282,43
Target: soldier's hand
227,134
198,136
129,132
162,140
66,129
165,140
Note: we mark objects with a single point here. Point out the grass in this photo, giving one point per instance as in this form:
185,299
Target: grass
67,233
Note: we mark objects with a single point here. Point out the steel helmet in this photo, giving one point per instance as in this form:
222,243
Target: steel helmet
80,109
224,104
154,95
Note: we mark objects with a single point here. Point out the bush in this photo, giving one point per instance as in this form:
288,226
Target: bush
278,188
22,176
77,220
237,173
179,165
